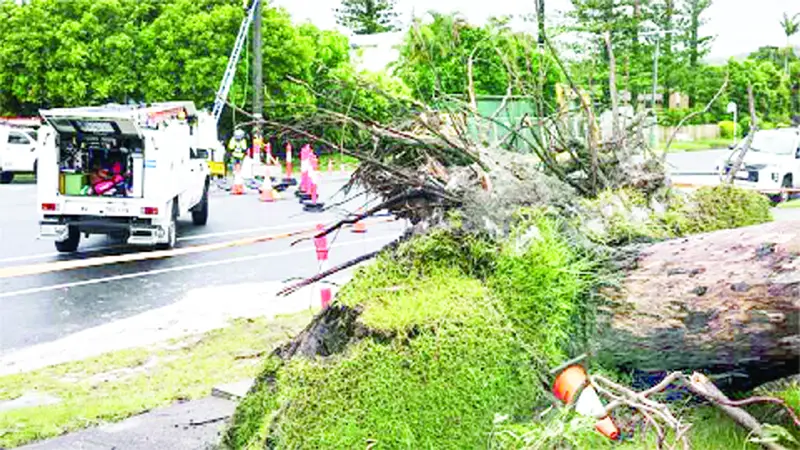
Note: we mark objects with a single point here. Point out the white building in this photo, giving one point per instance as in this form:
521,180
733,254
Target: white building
374,52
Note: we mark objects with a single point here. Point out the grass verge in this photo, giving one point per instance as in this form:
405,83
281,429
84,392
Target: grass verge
792,204
117,385
695,146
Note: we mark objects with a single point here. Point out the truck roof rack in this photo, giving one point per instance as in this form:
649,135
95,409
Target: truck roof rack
21,122
126,117
111,111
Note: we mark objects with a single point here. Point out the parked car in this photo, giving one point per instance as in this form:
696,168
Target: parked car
771,164
18,152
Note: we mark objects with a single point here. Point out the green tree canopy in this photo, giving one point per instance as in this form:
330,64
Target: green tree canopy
367,16
436,57
56,53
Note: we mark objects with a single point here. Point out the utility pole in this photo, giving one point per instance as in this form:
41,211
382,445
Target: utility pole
258,81
540,17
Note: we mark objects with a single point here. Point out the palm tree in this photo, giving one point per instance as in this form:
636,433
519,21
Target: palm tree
791,26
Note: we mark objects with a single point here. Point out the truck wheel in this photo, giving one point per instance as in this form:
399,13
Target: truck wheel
172,232
71,244
783,196
6,177
200,213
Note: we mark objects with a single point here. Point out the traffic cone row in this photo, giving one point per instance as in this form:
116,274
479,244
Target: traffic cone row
572,386
308,186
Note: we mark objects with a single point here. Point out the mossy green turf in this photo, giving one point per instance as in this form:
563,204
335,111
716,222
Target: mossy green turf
458,356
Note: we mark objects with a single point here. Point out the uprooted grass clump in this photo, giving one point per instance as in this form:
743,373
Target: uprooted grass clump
627,216
462,328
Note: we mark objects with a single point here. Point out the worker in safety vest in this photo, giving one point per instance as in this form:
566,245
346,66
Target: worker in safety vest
237,149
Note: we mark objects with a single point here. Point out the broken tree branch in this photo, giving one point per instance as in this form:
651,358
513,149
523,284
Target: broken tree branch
414,194
700,385
696,113
321,276
750,135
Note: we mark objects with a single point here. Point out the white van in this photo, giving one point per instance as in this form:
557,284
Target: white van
18,152
125,170
772,165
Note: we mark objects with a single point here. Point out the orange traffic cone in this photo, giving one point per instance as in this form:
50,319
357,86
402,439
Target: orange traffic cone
267,196
359,227
238,181
573,385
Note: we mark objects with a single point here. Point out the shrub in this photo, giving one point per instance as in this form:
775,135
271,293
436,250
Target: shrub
718,208
726,129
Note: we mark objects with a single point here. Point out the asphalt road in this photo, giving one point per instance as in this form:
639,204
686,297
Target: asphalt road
41,308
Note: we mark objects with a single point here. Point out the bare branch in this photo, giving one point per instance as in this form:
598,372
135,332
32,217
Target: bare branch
696,113
750,135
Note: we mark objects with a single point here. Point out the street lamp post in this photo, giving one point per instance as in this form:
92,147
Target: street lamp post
658,34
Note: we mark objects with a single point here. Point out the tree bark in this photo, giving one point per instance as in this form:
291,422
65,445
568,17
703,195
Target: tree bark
725,303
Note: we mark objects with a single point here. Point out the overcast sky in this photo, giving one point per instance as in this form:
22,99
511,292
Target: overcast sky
740,26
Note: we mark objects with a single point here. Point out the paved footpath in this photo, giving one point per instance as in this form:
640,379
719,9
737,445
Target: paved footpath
194,425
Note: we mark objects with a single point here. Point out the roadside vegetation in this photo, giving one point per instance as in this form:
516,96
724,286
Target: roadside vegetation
121,384
446,342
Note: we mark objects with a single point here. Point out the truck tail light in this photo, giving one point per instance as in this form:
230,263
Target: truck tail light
49,207
150,211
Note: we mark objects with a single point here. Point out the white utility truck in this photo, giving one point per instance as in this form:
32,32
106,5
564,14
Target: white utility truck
125,171
18,151
771,166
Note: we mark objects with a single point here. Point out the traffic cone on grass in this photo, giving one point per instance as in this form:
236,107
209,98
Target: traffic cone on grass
572,386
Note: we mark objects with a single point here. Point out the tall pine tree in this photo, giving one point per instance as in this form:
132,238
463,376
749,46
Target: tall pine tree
367,16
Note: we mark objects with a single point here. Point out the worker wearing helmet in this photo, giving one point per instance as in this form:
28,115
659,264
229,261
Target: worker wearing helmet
237,149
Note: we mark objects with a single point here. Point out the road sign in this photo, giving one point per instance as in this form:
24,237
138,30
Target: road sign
732,107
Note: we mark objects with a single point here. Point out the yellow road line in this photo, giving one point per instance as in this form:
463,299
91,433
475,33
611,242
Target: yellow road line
37,269
58,266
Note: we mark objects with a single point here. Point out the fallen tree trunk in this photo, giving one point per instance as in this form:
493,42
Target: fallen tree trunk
725,303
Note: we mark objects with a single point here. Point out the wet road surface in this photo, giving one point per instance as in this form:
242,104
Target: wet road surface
40,308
